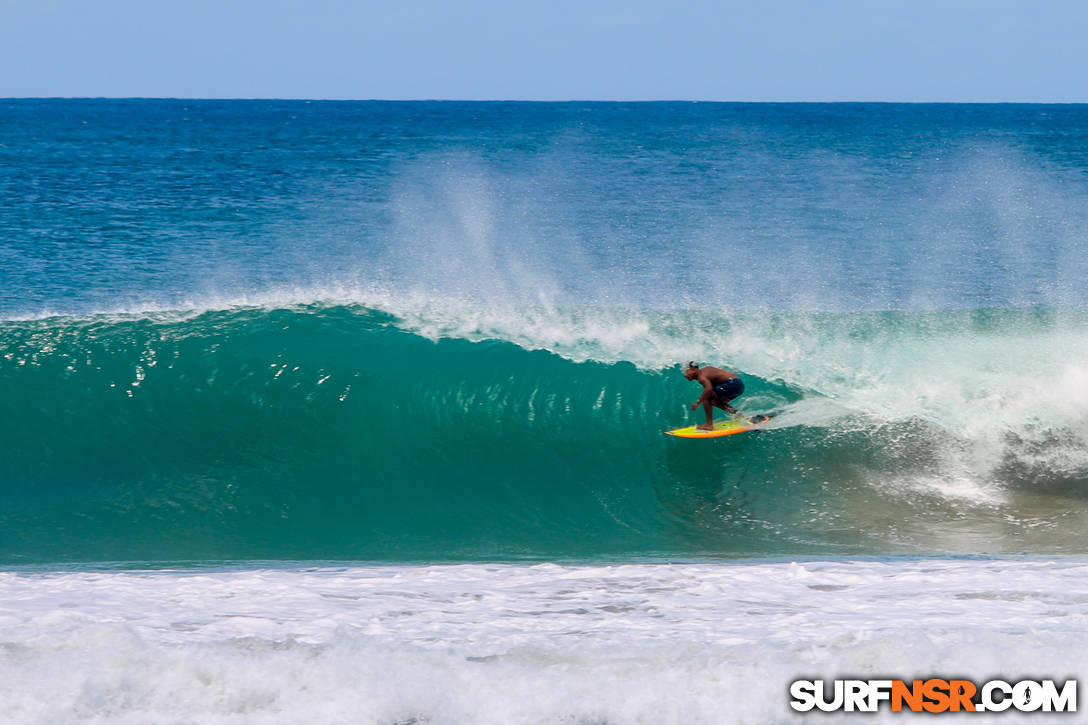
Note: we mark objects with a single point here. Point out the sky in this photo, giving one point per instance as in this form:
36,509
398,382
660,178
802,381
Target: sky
761,50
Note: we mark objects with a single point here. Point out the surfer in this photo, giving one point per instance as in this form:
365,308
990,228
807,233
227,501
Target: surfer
719,387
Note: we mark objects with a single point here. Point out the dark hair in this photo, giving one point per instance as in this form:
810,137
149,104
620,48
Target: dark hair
692,365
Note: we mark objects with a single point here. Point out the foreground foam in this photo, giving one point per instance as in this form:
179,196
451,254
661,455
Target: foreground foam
679,643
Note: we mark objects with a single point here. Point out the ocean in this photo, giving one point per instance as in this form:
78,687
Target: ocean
352,412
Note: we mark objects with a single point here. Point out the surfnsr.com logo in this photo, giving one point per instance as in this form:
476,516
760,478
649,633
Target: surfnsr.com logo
934,695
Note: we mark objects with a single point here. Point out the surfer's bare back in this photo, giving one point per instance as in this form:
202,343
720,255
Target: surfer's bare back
719,387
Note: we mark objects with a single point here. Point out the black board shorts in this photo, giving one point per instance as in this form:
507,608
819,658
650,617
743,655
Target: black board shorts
728,390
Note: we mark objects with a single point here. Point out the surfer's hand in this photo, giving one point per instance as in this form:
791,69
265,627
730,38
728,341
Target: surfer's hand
695,405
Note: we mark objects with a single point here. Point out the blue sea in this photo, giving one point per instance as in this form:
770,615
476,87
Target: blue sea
352,412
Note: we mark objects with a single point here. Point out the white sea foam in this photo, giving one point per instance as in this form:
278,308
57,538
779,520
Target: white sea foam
638,643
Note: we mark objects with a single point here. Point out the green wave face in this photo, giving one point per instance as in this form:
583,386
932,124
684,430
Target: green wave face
334,433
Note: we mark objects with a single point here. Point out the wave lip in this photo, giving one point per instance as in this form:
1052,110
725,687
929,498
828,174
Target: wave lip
353,432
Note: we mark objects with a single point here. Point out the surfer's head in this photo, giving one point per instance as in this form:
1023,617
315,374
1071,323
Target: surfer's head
691,371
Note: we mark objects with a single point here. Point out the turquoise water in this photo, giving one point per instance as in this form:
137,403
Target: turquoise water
325,432
452,331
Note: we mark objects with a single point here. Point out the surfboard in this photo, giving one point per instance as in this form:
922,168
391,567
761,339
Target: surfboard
722,428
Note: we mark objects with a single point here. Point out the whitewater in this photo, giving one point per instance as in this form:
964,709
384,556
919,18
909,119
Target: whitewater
353,411
683,643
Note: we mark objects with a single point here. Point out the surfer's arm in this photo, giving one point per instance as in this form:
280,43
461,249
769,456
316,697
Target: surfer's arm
708,390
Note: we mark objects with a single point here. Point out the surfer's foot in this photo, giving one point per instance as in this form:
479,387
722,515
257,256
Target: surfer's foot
705,426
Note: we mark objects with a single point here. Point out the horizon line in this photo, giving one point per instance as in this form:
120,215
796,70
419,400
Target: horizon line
532,100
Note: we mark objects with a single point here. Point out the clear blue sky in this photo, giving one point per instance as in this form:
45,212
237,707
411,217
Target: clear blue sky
761,50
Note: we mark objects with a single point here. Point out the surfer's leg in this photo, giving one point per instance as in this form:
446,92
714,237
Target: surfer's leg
727,392
708,406
724,405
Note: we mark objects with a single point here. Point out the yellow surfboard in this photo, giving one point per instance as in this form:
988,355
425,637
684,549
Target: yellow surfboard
721,428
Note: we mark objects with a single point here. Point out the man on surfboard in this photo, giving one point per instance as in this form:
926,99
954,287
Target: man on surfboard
719,387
